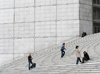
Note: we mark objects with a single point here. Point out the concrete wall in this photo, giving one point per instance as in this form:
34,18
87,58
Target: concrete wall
85,12
32,25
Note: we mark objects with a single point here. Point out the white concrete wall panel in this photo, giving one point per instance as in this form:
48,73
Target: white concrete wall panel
85,12
6,16
6,4
62,12
46,13
24,30
68,28
6,30
42,43
65,12
5,58
86,26
24,14
24,3
25,45
6,46
67,1
87,2
45,2
43,29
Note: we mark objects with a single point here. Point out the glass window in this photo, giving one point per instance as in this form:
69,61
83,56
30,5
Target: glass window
96,13
99,29
94,29
96,1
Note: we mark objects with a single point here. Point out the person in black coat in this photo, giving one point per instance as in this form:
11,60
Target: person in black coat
84,34
86,57
30,61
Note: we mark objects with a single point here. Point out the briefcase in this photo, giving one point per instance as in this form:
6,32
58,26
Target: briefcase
34,64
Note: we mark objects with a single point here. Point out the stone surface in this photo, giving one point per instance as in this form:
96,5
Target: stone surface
85,11
49,61
33,25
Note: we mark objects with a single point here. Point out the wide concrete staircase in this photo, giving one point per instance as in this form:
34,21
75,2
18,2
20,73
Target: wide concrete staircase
49,61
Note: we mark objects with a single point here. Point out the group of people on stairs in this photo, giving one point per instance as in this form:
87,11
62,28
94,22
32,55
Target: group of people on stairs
85,58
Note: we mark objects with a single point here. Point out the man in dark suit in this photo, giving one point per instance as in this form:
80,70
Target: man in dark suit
30,61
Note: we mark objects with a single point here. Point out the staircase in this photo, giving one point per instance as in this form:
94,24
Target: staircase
49,62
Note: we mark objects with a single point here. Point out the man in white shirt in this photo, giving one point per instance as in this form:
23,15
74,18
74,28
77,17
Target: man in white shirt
78,55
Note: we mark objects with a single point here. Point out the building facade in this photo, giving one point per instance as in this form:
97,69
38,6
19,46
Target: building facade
33,25
96,16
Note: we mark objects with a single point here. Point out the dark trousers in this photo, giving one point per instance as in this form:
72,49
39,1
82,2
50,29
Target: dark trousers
29,65
62,53
78,59
84,59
